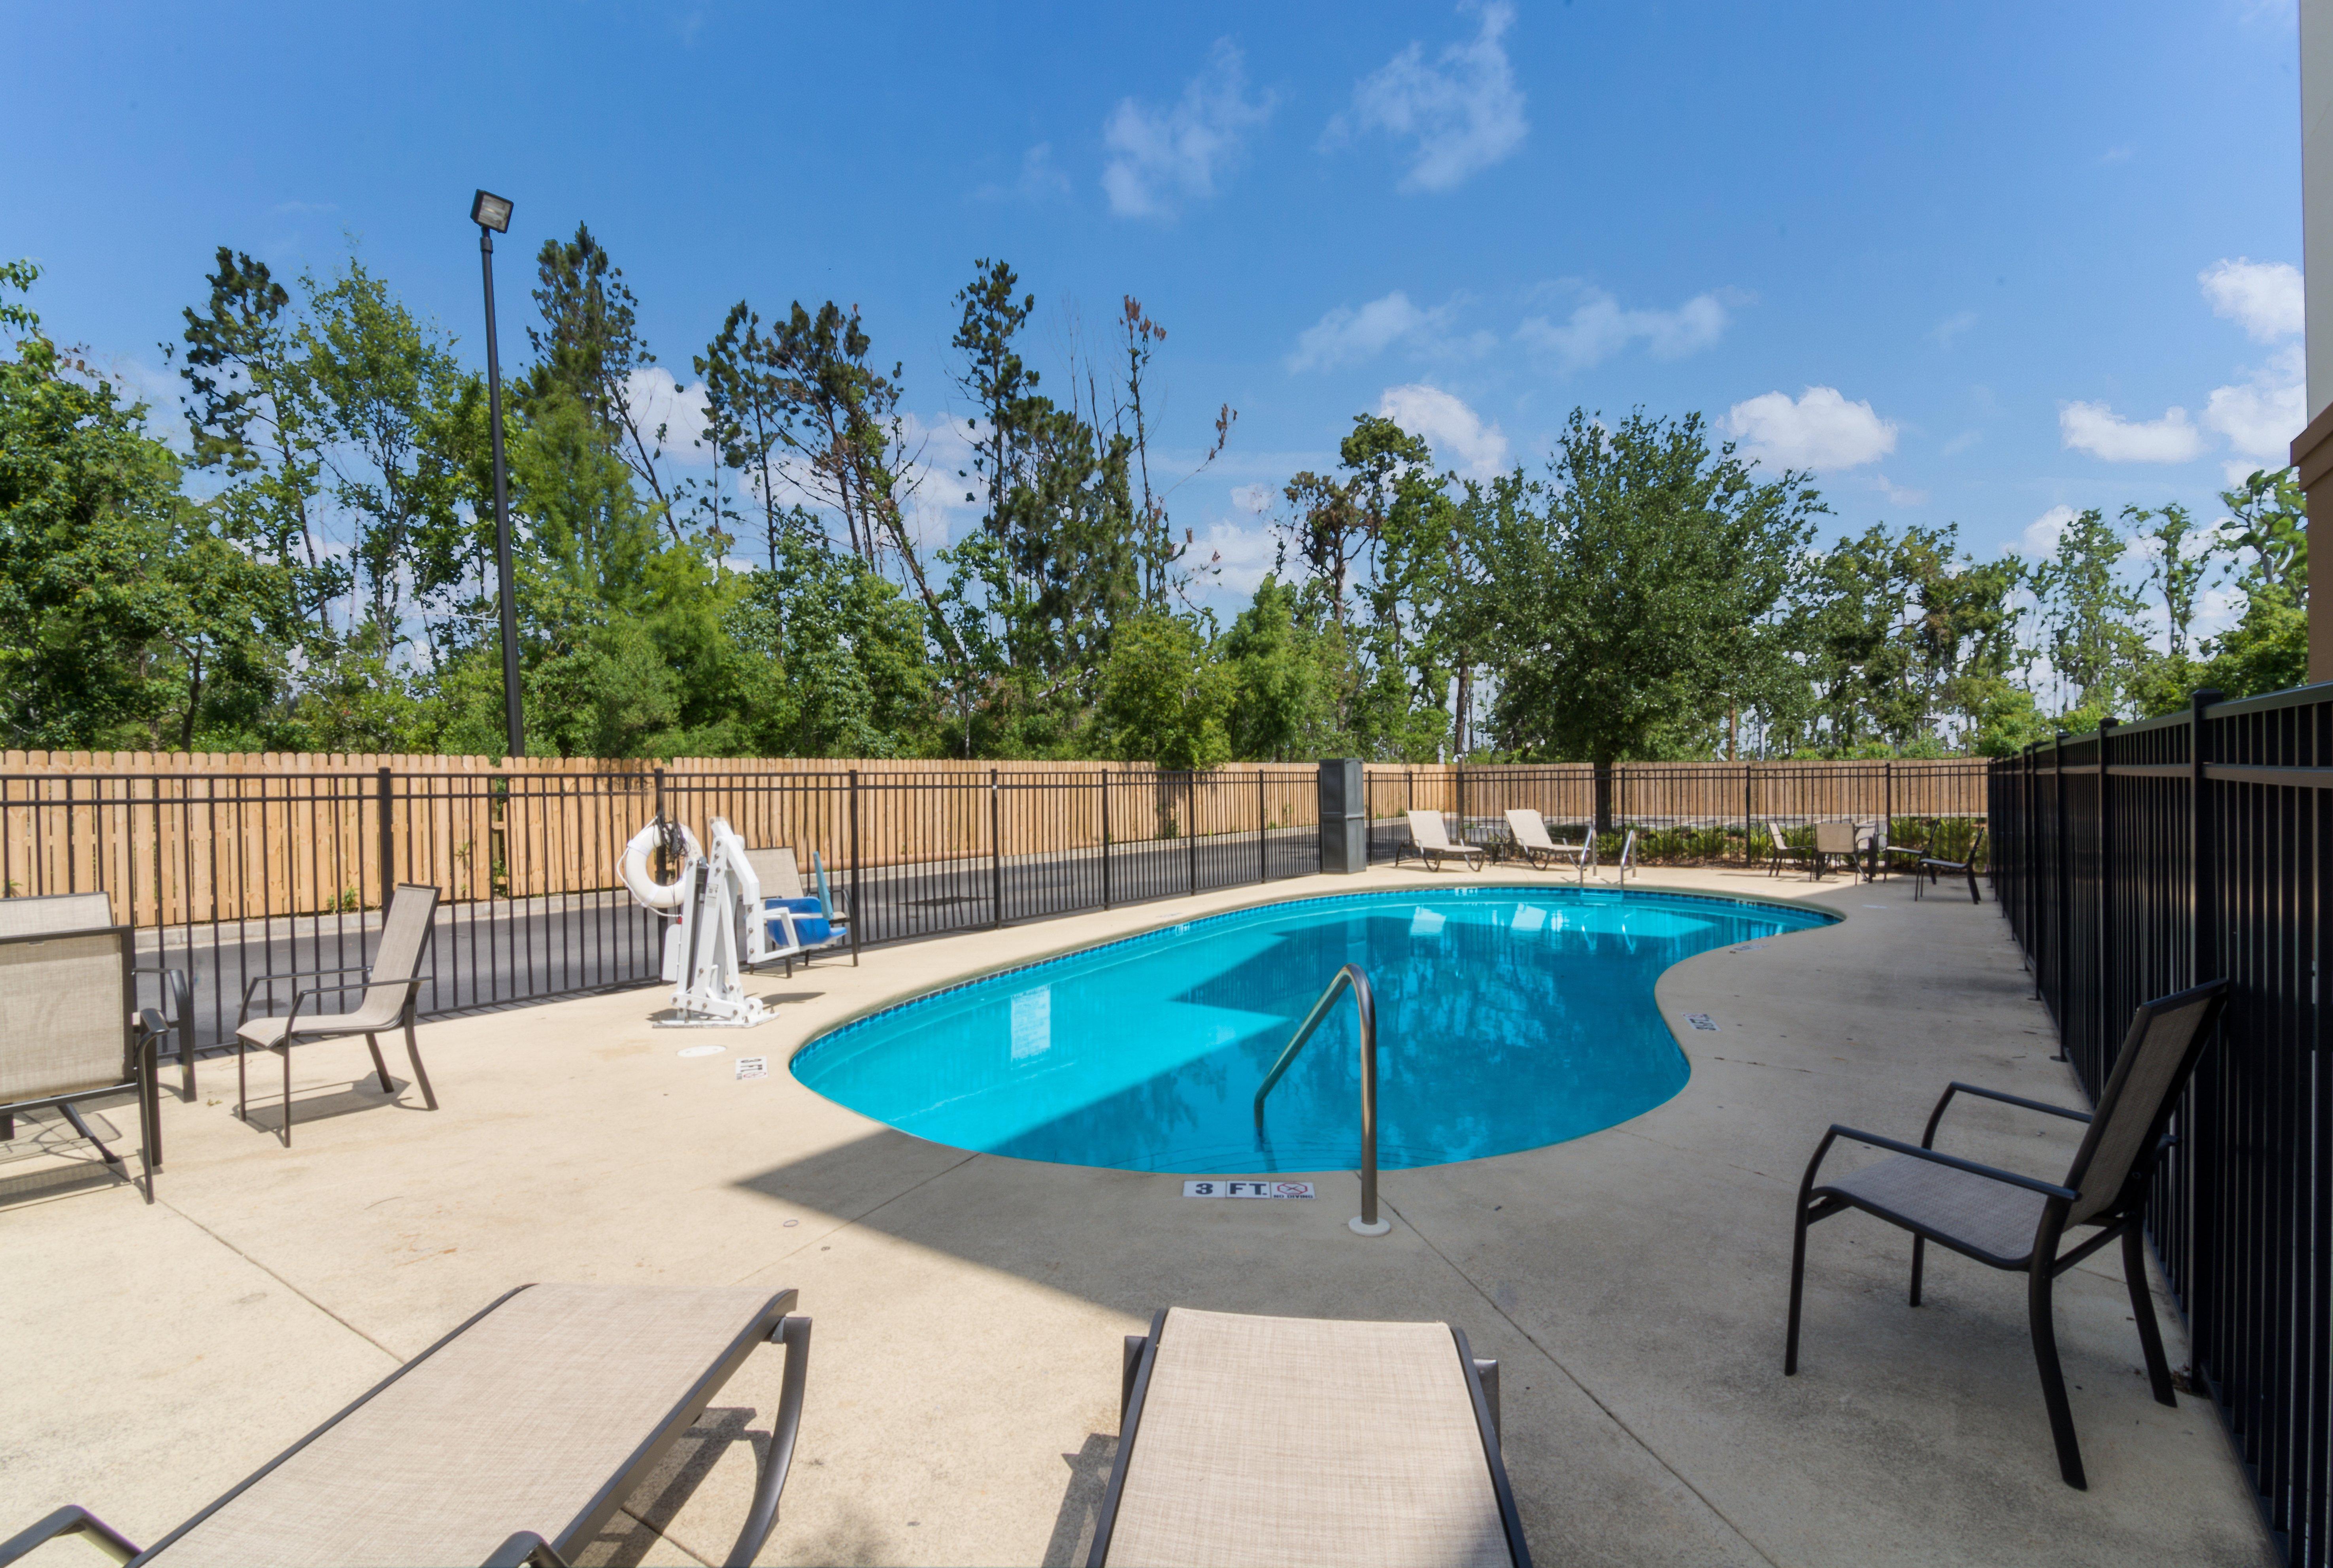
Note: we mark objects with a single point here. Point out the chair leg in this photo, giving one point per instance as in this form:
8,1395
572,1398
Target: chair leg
1797,1290
1919,1256
379,1066
2053,1378
72,1115
2142,1312
242,1080
285,1051
420,1074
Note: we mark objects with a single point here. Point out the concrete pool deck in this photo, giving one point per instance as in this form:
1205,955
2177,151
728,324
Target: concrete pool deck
964,1377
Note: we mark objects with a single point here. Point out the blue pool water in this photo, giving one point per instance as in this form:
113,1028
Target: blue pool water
1507,1018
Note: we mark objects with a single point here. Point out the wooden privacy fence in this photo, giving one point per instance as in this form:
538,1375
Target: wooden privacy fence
179,838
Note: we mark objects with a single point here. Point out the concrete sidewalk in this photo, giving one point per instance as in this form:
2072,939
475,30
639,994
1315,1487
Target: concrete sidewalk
964,1384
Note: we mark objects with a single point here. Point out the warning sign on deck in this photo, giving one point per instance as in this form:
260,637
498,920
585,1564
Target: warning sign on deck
1222,1188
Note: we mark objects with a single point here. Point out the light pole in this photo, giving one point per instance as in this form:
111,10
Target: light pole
492,214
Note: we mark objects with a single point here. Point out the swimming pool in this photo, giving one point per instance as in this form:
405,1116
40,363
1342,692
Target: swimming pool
1507,1018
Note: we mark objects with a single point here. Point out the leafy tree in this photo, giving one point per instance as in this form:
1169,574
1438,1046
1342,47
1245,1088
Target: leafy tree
2087,614
843,667
1290,677
1164,696
2267,649
1641,581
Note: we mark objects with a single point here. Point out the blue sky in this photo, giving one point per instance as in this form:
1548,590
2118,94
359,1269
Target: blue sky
1972,264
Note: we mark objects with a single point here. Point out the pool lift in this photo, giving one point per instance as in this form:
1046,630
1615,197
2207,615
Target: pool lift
720,929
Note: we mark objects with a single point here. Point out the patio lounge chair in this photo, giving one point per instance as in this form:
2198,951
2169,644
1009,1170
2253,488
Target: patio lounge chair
510,1441
1430,842
1784,850
1932,864
51,912
1528,830
68,1034
818,923
391,983
2015,1222
1268,1441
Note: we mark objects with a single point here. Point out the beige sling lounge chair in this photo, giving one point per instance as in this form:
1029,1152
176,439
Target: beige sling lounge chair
68,1034
391,985
1528,830
1430,842
510,1441
1300,1441
51,912
2014,1222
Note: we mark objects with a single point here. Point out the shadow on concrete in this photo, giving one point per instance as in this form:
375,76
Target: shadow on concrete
1073,1527
308,1105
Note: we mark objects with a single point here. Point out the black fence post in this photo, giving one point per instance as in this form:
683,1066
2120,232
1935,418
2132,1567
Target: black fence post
2030,833
858,905
1262,848
2105,900
1105,838
995,854
388,838
1191,824
2203,949
1746,768
663,870
2062,913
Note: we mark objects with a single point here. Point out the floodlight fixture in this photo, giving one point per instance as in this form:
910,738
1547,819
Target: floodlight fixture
488,210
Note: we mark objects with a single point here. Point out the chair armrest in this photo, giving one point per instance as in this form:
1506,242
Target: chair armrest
2041,1105
523,1548
243,1016
151,1024
68,1520
1896,1146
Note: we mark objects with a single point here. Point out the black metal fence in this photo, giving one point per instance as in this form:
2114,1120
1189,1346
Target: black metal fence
1700,813
2143,859
238,876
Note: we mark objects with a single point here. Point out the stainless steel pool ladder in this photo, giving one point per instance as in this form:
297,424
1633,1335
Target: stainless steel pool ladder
1365,1005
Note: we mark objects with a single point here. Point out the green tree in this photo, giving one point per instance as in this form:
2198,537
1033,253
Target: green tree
2087,613
1642,582
1289,678
1164,696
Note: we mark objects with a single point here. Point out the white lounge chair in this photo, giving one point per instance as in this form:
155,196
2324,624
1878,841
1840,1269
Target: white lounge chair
1303,1441
1530,836
1430,842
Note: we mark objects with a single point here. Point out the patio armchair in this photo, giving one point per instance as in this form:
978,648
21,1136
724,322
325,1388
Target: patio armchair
1430,842
1835,841
513,1440
51,912
1930,864
1784,850
391,985
1529,831
2014,1222
1889,854
1299,1441
69,1032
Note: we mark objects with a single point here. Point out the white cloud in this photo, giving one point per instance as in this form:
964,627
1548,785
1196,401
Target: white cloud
2261,418
1348,336
2096,428
1161,156
1599,328
1252,498
1239,557
1821,430
2262,297
1457,434
658,400
1041,179
2039,539
1962,443
1464,111
1952,327
1899,494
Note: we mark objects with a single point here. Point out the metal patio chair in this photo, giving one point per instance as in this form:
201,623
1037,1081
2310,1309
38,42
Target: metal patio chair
2015,1222
1304,1440
69,1032
49,912
1925,872
511,1440
391,985
1784,852
1429,841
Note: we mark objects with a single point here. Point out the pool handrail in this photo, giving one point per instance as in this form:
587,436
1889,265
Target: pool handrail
1365,1005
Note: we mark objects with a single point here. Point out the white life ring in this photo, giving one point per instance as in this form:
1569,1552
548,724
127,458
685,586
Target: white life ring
634,869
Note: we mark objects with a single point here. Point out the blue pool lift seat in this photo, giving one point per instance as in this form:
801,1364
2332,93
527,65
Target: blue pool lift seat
818,923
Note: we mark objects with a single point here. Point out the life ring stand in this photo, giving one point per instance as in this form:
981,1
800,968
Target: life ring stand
664,897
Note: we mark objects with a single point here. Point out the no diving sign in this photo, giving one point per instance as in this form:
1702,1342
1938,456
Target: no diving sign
1248,1189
